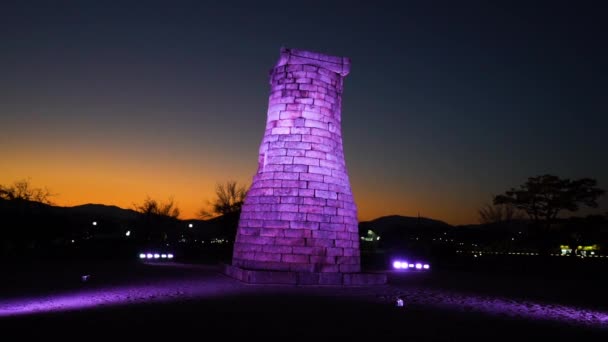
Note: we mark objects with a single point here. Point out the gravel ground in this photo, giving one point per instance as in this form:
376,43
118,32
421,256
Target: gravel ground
172,299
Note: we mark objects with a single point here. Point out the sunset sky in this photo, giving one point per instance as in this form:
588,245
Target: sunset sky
447,103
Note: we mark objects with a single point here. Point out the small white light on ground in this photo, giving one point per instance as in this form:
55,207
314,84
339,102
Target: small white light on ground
149,255
85,277
142,256
128,233
170,256
94,223
156,256
399,302
163,256
190,225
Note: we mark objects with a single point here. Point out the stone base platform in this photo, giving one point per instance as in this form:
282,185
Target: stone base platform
304,278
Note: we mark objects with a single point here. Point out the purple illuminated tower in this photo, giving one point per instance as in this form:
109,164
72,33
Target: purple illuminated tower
299,221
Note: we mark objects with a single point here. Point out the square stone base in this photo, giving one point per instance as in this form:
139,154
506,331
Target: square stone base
304,278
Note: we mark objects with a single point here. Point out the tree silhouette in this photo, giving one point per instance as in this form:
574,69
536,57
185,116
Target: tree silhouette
225,209
229,200
23,190
152,207
160,220
498,213
544,197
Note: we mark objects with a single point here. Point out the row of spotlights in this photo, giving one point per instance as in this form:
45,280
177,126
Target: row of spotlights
155,256
403,265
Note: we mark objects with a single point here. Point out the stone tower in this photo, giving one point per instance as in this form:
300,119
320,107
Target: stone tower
299,220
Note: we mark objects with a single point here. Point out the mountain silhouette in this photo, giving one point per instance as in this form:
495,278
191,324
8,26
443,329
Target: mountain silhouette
395,224
101,210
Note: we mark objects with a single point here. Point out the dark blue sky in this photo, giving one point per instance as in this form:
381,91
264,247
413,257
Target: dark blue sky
446,104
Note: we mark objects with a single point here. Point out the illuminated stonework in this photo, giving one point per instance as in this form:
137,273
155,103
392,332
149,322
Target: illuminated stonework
299,214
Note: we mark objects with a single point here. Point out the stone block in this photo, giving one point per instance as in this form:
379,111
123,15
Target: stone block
290,216
307,278
286,241
350,268
306,161
348,260
297,233
320,242
311,251
277,249
264,256
324,234
351,252
304,225
330,279
276,223
295,258
271,232
346,244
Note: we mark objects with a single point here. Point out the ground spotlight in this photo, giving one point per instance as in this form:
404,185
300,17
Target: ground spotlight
404,265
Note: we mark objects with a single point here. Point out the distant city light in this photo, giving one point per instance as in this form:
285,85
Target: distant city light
94,223
190,225
399,302
128,233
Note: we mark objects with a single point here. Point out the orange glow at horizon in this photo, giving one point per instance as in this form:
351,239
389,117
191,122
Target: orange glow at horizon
124,175
121,182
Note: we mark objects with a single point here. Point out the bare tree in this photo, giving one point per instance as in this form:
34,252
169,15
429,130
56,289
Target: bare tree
23,190
152,207
229,200
497,213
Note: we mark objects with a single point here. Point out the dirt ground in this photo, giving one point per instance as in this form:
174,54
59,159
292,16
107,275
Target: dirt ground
167,300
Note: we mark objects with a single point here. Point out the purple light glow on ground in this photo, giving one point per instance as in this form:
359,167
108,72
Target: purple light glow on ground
187,282
507,307
160,291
